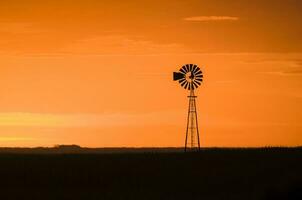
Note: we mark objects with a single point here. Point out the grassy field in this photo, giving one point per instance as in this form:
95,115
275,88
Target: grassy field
272,173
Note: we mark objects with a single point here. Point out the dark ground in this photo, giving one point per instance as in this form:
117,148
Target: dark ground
272,173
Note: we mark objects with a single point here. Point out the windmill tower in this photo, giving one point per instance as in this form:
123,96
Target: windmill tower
190,78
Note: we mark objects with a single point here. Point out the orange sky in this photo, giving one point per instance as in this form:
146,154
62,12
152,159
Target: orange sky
99,73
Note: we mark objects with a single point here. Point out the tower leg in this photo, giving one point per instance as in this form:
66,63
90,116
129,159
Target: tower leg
197,128
187,130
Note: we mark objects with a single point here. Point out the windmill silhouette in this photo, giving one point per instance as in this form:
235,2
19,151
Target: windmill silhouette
190,78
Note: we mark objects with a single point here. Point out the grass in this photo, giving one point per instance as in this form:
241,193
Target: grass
267,173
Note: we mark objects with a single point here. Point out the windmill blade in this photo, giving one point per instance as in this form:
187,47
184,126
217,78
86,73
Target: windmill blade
186,85
182,70
198,82
189,86
182,80
191,67
199,72
195,84
195,69
199,76
192,86
183,83
187,68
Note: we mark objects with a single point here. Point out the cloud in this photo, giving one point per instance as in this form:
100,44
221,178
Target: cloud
299,63
293,68
17,28
13,139
297,72
211,18
293,72
121,45
87,120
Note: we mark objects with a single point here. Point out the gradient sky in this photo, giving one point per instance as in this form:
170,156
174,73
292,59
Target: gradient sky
99,73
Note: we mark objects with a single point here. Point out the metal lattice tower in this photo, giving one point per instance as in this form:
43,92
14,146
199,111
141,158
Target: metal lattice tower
190,77
192,132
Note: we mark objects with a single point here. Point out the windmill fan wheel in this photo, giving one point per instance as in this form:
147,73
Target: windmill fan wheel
189,76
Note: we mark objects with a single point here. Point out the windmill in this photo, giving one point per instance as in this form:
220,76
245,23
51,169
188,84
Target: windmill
190,78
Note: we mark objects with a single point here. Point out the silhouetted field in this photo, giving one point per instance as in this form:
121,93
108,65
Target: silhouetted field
271,173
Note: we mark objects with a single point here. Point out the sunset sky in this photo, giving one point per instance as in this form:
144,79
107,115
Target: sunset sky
98,73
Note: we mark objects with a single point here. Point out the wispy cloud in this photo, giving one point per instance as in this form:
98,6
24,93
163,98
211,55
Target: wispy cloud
13,139
297,72
121,45
87,120
211,18
17,28
290,68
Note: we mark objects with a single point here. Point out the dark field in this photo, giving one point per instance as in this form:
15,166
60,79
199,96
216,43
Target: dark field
273,173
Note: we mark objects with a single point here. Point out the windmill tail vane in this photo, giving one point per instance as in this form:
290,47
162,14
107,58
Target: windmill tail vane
190,78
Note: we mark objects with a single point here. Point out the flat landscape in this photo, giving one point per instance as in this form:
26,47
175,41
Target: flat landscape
214,173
